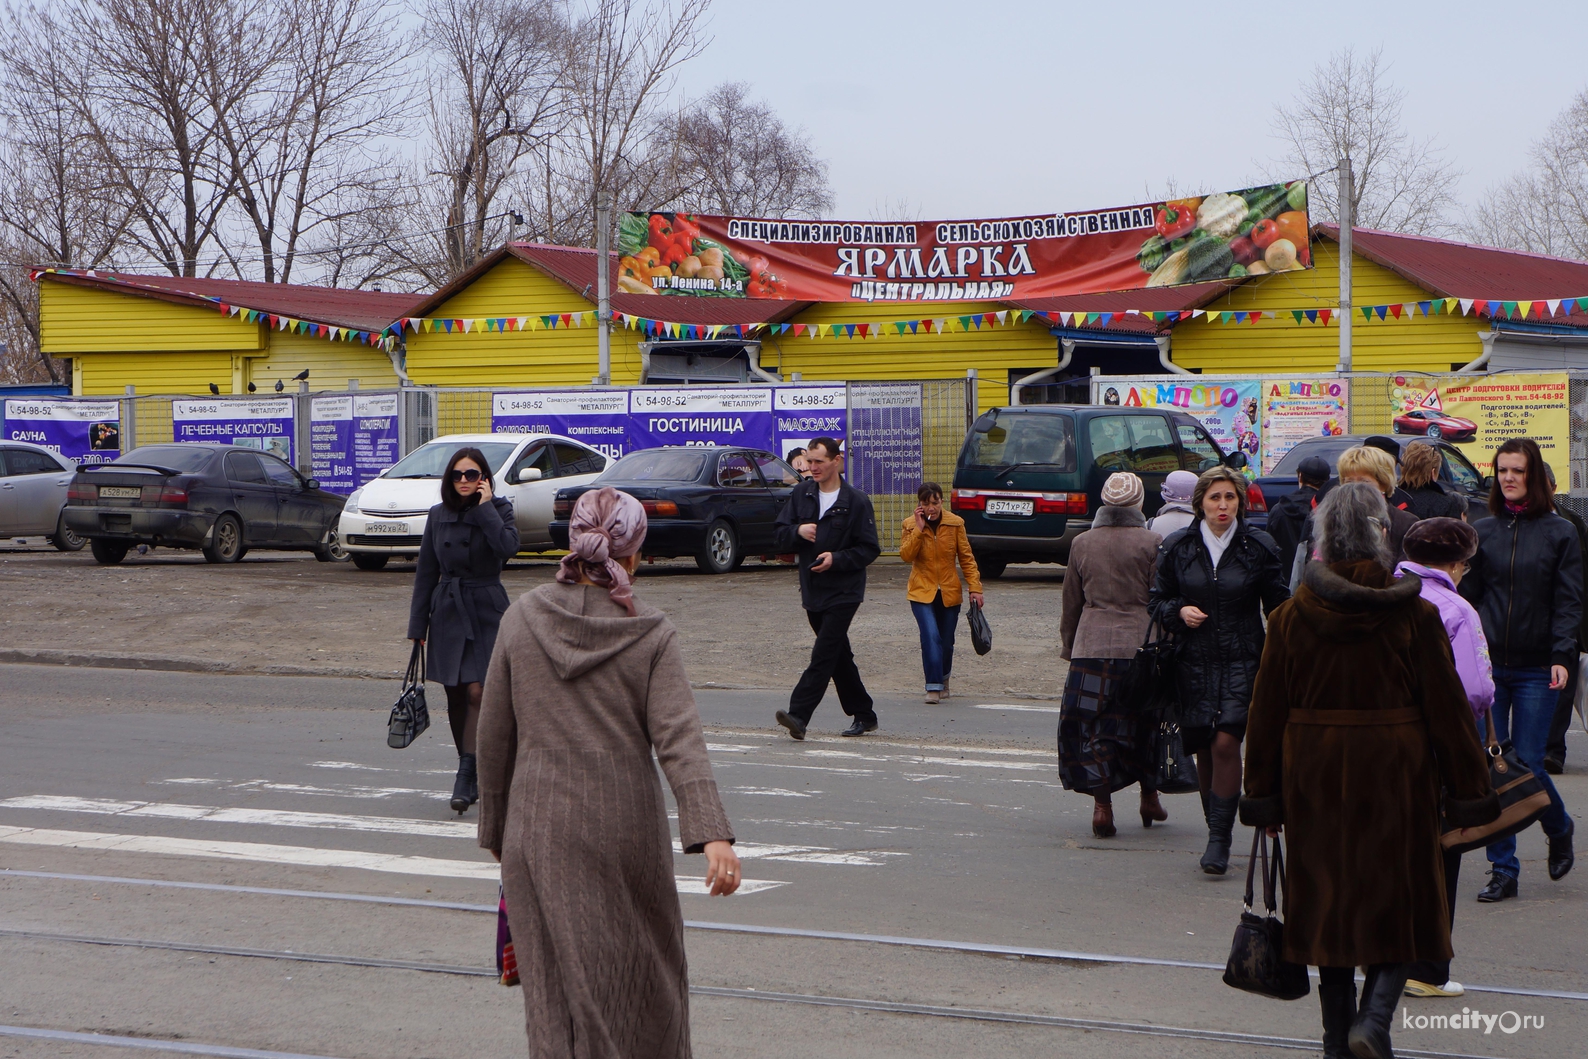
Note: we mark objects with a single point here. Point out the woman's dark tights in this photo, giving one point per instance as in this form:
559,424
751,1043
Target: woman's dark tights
463,714
1219,766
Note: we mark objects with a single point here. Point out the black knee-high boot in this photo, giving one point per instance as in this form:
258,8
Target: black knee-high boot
1337,1000
1221,825
465,787
1381,994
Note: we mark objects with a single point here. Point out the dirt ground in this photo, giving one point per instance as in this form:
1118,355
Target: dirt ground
285,613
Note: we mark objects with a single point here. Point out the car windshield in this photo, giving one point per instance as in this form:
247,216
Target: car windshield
1327,448
658,465
1023,438
177,457
428,461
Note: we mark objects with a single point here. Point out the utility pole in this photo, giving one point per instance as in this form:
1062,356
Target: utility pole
603,212
1346,221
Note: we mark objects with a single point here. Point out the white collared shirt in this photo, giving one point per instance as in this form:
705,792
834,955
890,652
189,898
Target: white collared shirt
1216,545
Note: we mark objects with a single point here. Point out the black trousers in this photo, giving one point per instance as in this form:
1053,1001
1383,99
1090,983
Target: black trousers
831,660
1437,972
1556,745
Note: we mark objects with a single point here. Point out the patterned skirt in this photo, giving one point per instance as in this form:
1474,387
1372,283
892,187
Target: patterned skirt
1101,750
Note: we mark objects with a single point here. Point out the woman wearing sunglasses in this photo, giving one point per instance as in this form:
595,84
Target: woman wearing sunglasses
459,600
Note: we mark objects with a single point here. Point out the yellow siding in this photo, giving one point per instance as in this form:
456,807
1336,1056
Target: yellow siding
152,373
518,358
992,351
1432,343
330,364
75,319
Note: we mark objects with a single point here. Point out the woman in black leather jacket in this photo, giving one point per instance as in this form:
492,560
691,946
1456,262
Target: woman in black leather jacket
1216,578
1527,585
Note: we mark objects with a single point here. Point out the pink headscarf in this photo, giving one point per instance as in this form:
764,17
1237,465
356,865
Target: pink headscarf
606,525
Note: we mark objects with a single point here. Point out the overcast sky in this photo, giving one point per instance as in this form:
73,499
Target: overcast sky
979,108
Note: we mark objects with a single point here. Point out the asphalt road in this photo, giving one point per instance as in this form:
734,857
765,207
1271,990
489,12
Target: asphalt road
947,828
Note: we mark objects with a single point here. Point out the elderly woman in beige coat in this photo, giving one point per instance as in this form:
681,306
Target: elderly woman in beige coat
585,682
1102,750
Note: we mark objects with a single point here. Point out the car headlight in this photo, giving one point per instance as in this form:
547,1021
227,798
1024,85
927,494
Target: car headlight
351,507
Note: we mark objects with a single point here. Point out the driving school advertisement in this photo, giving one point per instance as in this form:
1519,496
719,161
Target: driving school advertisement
1477,416
84,431
1154,244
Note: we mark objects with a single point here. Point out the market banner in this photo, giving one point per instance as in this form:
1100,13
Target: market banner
264,423
885,438
599,418
1153,244
807,412
1297,409
1478,413
352,439
84,431
1226,408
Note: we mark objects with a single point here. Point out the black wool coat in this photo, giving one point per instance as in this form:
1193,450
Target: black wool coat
848,530
1526,582
458,599
1216,663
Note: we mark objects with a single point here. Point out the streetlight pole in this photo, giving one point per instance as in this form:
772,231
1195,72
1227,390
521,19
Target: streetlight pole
1346,222
603,211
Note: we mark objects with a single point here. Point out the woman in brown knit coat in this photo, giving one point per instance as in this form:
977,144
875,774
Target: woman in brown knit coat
585,682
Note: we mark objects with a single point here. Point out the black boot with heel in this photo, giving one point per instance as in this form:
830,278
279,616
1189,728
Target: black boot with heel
1338,1002
1221,825
1381,994
466,787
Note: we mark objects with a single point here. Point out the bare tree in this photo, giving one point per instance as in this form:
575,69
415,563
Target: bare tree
1544,208
1350,108
733,155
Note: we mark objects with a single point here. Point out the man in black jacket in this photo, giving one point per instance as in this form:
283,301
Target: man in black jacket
830,526
1287,522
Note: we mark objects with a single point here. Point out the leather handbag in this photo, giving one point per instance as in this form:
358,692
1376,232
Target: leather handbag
1148,685
410,717
980,631
1523,799
1177,770
1257,963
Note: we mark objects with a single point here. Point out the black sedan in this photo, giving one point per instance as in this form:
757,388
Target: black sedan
715,504
1456,472
221,499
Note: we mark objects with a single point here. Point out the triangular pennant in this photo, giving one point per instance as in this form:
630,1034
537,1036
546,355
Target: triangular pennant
1240,317
1106,318
1524,306
1395,311
1554,305
1003,316
1255,316
1582,303
1324,314
1299,313
913,325
1367,312
1382,310
1424,306
1466,305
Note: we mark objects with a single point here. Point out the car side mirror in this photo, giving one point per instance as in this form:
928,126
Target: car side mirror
984,423
526,474
312,483
1236,461
1488,482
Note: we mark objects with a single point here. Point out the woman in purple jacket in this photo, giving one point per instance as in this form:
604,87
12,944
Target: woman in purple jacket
1437,550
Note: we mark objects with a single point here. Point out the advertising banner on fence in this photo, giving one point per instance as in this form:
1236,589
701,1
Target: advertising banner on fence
599,418
700,415
885,432
264,423
806,412
1478,413
1151,244
1294,410
1226,408
85,431
352,439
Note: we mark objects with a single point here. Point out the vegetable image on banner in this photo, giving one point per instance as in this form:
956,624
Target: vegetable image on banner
1479,415
264,423
599,418
85,431
1227,409
1297,409
700,415
1226,235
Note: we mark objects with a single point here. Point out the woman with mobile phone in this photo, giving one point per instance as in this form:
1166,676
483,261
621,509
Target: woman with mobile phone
934,542
458,599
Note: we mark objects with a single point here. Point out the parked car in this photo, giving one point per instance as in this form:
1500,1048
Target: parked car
1030,477
221,499
716,504
33,485
385,519
1432,424
1456,472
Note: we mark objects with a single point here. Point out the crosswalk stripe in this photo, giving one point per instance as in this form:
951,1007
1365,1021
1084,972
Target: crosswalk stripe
217,814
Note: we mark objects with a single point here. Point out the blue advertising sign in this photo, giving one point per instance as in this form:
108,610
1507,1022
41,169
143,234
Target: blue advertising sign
599,418
264,423
352,439
701,415
806,412
884,447
85,431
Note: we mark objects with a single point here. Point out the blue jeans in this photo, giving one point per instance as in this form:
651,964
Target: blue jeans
1524,706
937,624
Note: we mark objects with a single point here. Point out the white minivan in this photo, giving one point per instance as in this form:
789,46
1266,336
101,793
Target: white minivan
385,518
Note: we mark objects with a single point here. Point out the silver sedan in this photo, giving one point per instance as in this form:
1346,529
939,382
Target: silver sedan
33,485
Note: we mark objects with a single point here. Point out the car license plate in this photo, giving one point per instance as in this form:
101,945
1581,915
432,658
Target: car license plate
120,492
399,528
1011,507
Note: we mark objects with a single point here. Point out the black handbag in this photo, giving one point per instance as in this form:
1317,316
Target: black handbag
1523,799
980,631
410,717
1148,685
1257,963
1177,770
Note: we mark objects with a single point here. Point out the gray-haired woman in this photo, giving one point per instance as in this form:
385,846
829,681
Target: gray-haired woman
1357,719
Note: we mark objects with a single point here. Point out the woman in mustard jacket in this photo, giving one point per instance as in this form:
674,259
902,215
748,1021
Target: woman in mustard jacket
934,540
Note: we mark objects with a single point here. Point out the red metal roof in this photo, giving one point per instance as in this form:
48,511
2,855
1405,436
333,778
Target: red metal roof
362,310
1461,270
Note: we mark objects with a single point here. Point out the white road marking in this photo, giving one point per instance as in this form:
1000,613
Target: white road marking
216,814
923,759
372,793
807,854
692,885
1022,707
775,792
379,768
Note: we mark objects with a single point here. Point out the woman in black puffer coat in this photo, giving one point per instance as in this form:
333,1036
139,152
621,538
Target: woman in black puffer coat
1216,578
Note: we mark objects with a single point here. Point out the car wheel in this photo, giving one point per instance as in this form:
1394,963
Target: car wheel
65,540
367,561
107,552
1434,431
226,541
1395,428
721,552
332,551
991,569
